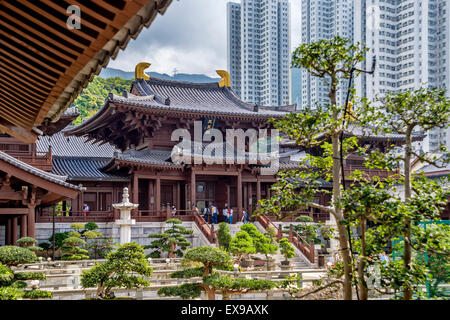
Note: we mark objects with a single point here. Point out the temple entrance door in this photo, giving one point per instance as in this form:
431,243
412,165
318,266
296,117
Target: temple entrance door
205,193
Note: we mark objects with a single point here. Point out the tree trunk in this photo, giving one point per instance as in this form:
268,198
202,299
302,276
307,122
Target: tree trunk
343,238
363,290
211,294
407,291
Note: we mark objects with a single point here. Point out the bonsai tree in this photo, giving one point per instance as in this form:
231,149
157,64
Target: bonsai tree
286,249
99,248
172,240
242,245
209,259
309,231
13,285
29,243
224,236
126,267
264,244
72,249
13,255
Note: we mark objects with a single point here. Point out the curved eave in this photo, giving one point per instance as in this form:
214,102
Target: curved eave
128,163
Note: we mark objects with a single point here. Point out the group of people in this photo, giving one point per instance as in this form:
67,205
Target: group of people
211,214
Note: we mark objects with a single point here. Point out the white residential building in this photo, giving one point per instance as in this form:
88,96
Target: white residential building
259,50
410,39
324,19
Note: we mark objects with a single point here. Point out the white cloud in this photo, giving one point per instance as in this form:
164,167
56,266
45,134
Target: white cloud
191,37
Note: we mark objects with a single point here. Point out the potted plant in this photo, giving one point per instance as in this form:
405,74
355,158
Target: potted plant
287,250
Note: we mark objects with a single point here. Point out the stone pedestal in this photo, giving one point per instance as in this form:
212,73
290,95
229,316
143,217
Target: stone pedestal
125,222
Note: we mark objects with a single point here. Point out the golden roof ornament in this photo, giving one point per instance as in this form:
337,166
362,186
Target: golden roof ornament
226,80
139,71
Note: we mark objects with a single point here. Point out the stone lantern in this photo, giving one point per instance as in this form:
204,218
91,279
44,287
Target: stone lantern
125,220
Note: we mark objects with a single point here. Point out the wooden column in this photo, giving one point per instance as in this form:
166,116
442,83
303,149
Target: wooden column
193,189
31,220
238,198
250,196
158,194
178,198
245,191
23,226
14,221
8,230
151,193
135,188
258,190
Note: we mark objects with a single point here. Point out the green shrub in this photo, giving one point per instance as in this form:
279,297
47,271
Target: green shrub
304,219
30,276
77,226
13,255
27,241
45,245
10,293
33,249
91,226
59,238
36,294
224,236
92,234
286,248
6,275
74,234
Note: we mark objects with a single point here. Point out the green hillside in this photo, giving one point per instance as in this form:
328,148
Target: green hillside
93,97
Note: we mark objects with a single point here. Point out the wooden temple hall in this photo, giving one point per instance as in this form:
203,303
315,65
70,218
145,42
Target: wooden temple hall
127,143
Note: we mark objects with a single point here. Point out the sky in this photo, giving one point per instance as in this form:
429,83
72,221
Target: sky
191,36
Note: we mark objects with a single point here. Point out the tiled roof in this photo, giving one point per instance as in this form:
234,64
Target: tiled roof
195,97
85,169
146,156
58,179
74,146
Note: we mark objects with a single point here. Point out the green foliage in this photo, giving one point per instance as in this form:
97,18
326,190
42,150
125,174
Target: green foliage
224,236
72,250
126,267
12,255
12,286
92,234
99,248
37,294
27,241
304,219
74,234
30,276
91,226
77,226
10,293
242,245
59,238
264,244
172,240
6,275
184,291
211,258
286,248
93,97
226,283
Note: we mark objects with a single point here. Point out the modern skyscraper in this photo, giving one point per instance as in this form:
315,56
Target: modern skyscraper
323,19
259,50
411,41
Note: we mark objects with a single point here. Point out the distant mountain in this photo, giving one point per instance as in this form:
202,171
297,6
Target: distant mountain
128,75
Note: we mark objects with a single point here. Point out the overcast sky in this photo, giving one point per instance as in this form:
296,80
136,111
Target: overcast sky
191,37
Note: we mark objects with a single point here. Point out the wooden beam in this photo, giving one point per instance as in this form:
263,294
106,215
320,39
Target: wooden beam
13,211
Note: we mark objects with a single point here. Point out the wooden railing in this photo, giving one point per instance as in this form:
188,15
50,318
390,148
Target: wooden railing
307,249
296,239
75,216
348,169
205,228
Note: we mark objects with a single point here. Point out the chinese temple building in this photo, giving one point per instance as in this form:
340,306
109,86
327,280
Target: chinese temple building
129,143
